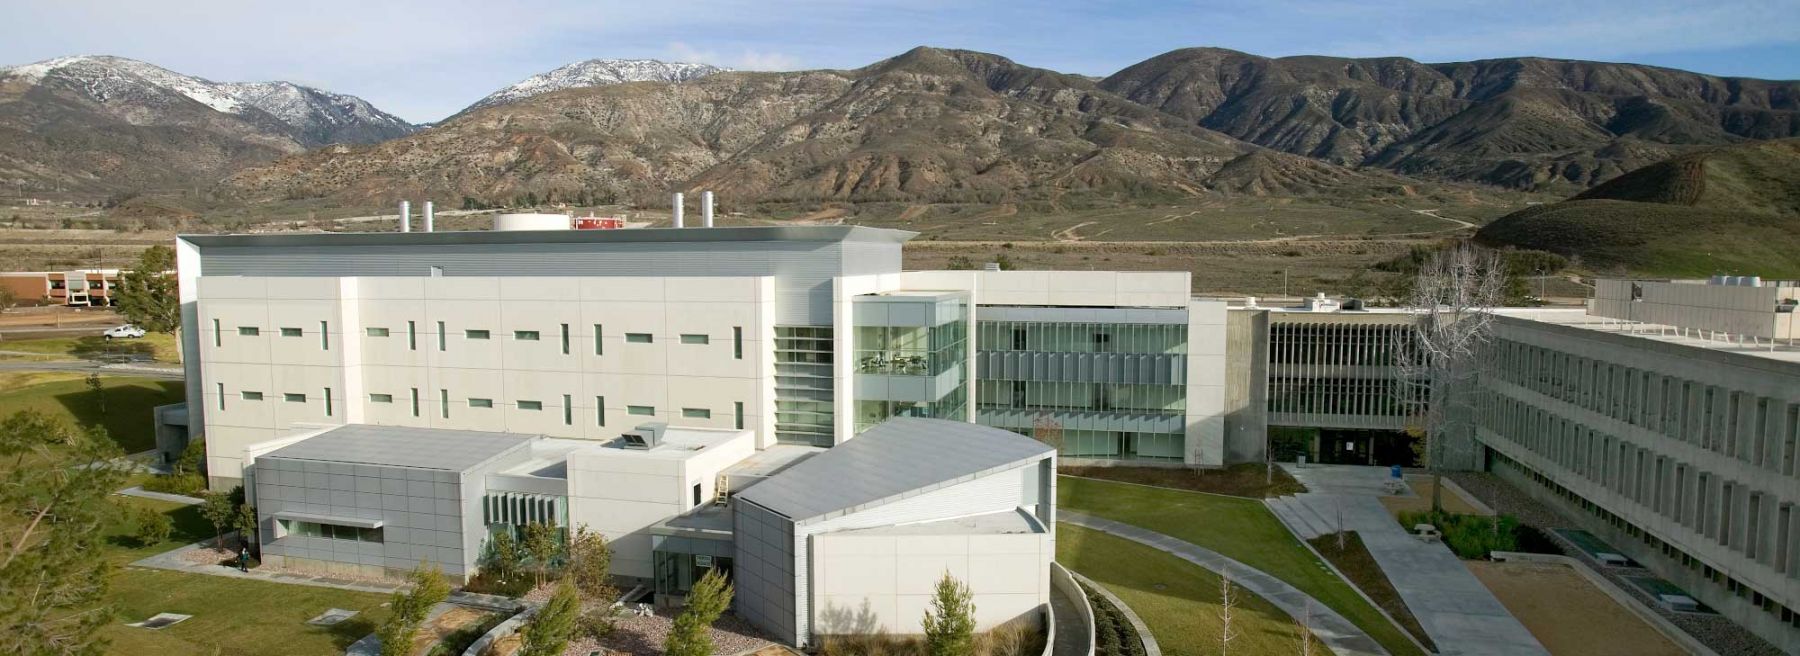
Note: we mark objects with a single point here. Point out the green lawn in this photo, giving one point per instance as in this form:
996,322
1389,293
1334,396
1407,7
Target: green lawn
231,616
129,401
158,346
1177,599
1242,529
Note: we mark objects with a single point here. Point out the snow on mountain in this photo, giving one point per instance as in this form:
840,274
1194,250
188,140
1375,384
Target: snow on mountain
310,116
597,72
322,116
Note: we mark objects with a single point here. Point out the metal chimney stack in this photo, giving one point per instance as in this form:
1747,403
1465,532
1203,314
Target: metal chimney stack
428,216
405,216
706,210
677,207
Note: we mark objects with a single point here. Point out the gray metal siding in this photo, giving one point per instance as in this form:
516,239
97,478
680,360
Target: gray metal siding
764,571
803,270
421,511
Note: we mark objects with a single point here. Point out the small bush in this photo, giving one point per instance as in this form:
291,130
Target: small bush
489,582
1471,537
1113,633
183,484
152,526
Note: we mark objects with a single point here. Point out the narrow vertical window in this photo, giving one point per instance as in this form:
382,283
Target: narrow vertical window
738,414
218,340
737,342
444,401
324,336
568,410
221,396
441,336
598,349
565,339
599,411
415,401
412,336
328,402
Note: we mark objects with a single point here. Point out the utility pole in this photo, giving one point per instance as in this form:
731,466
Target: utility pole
1284,283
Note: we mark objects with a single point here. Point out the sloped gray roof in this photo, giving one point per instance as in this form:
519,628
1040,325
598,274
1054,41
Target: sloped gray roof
402,446
902,457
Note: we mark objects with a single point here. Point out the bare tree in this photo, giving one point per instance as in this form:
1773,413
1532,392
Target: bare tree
1438,360
1227,603
1305,625
1048,430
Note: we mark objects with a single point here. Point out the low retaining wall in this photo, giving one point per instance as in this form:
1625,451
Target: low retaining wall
1062,580
1623,598
1137,624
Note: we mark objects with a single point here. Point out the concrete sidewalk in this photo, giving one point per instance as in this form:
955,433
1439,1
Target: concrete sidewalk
1459,613
1335,631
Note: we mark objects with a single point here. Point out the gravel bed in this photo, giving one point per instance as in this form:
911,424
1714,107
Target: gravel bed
1714,631
643,636
207,555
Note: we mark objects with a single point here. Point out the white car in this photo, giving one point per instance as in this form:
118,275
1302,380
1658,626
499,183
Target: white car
126,331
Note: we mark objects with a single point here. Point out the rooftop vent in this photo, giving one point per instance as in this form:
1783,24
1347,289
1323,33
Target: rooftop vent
645,437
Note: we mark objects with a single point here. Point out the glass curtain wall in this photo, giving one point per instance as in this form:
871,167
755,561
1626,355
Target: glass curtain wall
803,385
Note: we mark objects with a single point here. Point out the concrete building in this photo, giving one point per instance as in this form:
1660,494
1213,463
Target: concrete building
799,335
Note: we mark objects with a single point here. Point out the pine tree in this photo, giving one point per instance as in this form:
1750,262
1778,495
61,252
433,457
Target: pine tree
950,621
149,295
58,506
692,633
549,631
407,610
152,526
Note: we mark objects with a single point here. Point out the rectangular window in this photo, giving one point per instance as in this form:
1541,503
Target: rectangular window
221,396
250,396
377,332
531,405
565,339
690,338
328,402
412,336
639,338
568,411
291,397
738,410
598,349
525,335
249,331
696,413
480,403
600,411
324,336
641,410
291,332
696,494
218,340
381,398
475,334
444,401
415,401
441,335
737,342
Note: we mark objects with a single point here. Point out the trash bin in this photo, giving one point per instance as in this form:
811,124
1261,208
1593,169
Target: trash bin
1394,472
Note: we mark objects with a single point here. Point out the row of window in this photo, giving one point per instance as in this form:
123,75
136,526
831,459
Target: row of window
332,531
412,336
1728,512
1498,461
484,402
1080,337
1725,421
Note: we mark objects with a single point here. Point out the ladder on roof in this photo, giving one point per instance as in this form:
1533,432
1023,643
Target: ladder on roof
722,489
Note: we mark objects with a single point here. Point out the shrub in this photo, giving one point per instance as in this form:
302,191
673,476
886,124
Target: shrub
182,484
152,526
1113,633
1471,537
408,610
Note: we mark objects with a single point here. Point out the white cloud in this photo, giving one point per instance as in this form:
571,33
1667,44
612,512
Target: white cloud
745,60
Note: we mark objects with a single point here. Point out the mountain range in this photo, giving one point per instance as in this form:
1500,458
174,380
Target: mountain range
934,125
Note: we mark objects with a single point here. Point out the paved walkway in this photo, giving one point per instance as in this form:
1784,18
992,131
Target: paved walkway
1459,613
172,560
1072,637
136,491
83,366
1332,629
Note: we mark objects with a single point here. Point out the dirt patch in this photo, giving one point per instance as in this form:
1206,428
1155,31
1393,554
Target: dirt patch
445,624
1362,570
1567,613
1423,487
1246,480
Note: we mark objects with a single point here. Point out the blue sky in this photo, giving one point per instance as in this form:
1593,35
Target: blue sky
425,59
